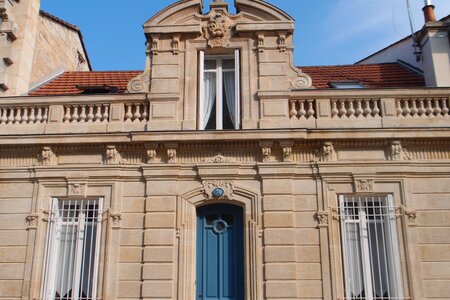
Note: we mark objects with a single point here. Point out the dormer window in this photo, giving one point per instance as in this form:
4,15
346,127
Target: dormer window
219,92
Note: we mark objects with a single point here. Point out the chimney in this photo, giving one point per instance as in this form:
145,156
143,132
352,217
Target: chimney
428,11
434,42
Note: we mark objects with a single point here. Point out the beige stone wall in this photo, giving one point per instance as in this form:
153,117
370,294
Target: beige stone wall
57,47
148,244
15,206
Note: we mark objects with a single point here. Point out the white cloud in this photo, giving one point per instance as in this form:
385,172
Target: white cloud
352,19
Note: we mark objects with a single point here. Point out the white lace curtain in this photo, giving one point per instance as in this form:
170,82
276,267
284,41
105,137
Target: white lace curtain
229,82
209,96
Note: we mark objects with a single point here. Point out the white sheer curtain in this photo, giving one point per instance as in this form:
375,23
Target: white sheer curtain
209,96
230,94
370,248
354,262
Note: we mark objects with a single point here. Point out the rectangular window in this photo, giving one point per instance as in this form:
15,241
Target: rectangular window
219,92
72,251
370,248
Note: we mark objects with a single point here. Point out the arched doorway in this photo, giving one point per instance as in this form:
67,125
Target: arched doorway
220,252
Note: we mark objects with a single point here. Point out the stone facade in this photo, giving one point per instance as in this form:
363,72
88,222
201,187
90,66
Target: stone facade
34,45
298,150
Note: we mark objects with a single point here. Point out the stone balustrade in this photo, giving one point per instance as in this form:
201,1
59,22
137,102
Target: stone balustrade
20,115
388,108
306,109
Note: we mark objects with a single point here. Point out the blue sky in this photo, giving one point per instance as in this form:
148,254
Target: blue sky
328,32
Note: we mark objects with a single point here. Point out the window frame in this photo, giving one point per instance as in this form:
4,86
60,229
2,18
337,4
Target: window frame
52,251
219,88
392,239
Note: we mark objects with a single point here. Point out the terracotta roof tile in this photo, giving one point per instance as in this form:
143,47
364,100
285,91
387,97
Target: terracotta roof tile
389,75
67,83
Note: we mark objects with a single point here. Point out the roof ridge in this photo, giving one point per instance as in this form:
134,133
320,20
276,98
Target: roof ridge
112,71
349,65
58,20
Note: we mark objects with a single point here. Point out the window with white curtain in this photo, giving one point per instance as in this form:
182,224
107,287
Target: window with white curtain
219,92
370,248
72,250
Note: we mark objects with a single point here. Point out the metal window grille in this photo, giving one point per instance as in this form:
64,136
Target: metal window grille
72,250
370,248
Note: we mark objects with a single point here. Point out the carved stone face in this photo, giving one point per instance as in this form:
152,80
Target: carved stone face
218,26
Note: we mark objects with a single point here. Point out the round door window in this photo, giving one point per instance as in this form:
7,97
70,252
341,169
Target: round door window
220,226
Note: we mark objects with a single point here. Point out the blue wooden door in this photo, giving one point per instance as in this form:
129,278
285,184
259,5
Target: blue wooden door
220,253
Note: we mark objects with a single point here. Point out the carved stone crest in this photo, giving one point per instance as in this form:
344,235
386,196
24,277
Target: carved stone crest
218,189
364,185
76,189
218,29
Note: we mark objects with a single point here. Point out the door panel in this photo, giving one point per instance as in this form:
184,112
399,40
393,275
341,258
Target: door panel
220,253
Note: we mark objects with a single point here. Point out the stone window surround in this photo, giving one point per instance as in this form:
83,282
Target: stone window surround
108,257
331,252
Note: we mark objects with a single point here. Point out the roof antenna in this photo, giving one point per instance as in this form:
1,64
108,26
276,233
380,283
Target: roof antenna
417,48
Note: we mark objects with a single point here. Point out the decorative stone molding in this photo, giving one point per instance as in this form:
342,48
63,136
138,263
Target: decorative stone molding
218,189
364,185
116,219
154,48
397,152
218,159
47,158
287,150
322,218
113,156
412,216
140,83
171,155
261,41
32,220
76,189
282,41
176,44
266,150
151,152
218,29
328,153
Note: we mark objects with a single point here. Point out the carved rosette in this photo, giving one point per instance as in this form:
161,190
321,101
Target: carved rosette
218,159
397,152
218,29
364,185
218,189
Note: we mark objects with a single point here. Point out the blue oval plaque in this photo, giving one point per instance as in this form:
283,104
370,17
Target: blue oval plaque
218,192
